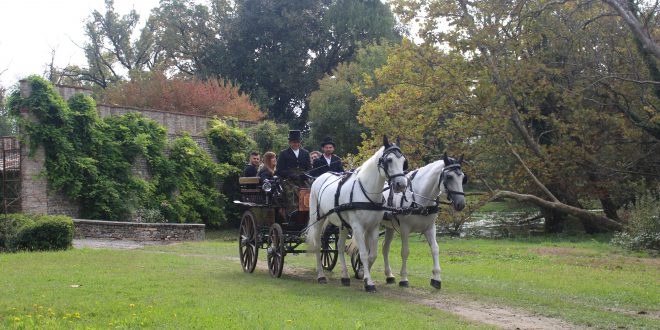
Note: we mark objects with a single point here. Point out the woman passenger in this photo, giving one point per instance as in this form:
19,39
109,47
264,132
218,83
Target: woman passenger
268,168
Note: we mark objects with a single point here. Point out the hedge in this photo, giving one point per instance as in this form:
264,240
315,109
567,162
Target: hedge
35,232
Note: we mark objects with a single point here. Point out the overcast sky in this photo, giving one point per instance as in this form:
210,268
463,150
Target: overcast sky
29,29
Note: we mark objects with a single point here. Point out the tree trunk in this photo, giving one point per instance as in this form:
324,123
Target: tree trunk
596,220
554,221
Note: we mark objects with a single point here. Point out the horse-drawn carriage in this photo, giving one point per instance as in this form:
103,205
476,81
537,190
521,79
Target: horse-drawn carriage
346,204
275,223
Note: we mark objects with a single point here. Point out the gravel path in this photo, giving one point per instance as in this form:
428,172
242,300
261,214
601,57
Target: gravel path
115,244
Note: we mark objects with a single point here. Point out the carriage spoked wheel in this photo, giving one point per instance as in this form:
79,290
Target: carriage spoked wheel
248,242
329,250
356,264
275,250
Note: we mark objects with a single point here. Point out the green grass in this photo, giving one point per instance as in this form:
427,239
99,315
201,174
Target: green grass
201,285
196,286
583,280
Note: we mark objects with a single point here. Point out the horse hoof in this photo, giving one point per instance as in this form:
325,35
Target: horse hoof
390,280
436,284
322,280
403,284
345,281
370,288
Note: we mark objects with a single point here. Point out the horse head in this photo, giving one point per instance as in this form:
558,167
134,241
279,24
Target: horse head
392,165
452,181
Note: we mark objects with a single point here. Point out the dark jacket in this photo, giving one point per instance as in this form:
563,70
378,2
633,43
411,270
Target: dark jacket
250,170
264,174
321,165
288,165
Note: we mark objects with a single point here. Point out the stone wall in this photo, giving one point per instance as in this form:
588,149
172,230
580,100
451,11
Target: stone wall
138,231
36,197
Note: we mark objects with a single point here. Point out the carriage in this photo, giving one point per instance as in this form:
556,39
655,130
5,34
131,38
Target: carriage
271,222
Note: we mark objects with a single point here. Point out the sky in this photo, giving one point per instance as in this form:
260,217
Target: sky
31,29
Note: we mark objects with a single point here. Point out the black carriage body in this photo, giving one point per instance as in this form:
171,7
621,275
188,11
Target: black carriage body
271,223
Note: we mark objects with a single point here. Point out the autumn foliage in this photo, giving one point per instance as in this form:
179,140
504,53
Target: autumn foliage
209,98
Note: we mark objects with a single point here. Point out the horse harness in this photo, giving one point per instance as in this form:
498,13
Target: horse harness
370,205
417,209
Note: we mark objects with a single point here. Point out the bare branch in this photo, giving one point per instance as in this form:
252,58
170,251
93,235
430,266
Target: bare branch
635,26
534,178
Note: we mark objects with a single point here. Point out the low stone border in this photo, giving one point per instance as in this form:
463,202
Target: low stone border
100,229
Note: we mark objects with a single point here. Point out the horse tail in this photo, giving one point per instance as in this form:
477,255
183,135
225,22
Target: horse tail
314,225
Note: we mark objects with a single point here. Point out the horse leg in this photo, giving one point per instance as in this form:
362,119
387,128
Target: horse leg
389,235
436,281
341,246
320,277
405,251
372,241
359,237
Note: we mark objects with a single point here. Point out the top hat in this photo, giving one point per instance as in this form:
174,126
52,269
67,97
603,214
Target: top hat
327,140
294,135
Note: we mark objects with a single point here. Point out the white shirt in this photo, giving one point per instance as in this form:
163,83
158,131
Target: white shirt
328,160
296,152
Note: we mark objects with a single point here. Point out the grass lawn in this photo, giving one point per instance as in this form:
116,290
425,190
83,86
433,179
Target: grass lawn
194,287
201,285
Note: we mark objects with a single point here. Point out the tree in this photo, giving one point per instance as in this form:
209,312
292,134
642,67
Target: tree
334,102
277,50
111,49
530,92
7,122
185,30
209,98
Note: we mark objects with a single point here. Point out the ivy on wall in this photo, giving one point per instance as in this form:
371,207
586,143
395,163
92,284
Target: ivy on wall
90,159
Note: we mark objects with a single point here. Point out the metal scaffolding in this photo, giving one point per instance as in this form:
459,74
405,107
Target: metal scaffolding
11,174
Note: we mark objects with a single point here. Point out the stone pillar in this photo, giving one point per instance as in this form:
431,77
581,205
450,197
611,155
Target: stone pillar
34,186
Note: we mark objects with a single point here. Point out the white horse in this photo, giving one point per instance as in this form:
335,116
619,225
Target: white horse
355,202
421,203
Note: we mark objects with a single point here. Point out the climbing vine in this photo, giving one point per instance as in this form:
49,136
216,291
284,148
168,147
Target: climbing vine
91,160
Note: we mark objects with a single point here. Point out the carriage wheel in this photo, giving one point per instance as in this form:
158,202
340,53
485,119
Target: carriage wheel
275,250
356,264
247,244
329,250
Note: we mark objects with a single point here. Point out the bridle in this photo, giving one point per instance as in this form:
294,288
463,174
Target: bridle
451,168
382,162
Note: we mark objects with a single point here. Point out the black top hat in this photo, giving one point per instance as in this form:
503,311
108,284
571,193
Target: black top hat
294,135
327,140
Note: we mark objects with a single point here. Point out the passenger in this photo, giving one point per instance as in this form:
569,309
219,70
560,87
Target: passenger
314,155
251,168
267,170
327,162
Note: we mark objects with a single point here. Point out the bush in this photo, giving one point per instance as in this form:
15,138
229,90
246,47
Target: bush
643,229
35,232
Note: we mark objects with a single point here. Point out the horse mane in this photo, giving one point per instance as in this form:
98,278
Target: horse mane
372,162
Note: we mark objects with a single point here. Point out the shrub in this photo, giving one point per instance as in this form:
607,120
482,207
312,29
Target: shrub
35,232
643,229
149,215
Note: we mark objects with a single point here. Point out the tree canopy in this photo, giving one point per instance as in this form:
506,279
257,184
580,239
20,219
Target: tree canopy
549,99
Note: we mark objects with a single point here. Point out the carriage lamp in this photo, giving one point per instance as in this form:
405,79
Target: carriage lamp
267,187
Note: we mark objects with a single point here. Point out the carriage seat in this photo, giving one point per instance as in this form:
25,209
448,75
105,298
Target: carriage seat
251,190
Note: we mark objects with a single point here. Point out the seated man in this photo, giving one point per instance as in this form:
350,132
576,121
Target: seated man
327,162
292,164
251,168
293,161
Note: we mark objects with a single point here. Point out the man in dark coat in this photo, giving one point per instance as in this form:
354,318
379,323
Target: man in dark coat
293,161
252,167
292,164
327,162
